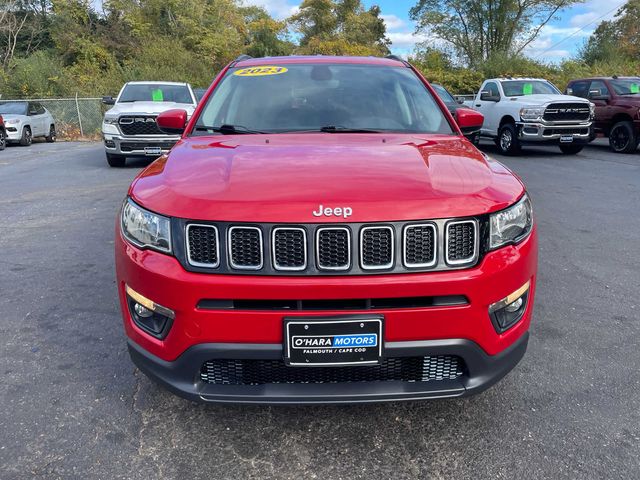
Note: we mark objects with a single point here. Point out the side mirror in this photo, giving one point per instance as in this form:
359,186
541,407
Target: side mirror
569,91
486,96
596,94
108,100
460,100
172,122
469,120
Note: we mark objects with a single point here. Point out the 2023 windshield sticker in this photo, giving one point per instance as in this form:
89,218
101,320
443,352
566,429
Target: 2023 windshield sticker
260,71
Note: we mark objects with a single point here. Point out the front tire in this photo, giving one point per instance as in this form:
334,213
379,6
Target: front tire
3,139
507,141
116,161
52,134
571,149
623,138
27,137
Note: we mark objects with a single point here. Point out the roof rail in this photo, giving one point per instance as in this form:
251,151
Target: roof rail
396,57
242,57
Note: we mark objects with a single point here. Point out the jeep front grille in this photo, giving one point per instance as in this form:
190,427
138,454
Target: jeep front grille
321,249
261,372
566,112
139,125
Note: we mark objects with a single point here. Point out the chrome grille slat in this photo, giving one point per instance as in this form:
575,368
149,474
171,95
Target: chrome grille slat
461,242
376,247
246,250
333,248
289,247
419,245
203,245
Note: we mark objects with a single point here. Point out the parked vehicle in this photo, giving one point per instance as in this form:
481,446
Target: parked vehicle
323,232
129,128
520,111
453,105
26,120
617,108
3,134
199,93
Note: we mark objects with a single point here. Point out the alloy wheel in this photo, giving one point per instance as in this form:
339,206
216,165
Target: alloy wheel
619,138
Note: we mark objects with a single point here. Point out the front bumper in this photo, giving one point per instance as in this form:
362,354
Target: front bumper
180,377
143,146
14,132
198,334
552,133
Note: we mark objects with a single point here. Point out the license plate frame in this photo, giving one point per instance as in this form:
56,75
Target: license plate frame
344,332
153,151
566,138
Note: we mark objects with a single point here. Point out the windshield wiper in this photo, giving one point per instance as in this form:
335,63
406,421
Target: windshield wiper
341,129
227,129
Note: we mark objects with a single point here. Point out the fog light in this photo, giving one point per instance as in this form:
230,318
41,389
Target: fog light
508,311
142,311
148,315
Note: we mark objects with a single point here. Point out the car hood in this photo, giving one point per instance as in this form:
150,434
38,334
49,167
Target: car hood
10,116
540,99
286,177
149,107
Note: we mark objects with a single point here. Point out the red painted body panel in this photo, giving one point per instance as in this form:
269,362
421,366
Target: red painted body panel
382,177
162,278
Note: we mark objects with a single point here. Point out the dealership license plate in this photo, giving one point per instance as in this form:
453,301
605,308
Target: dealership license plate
333,341
152,151
566,139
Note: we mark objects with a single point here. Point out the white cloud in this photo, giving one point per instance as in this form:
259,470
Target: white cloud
393,22
278,8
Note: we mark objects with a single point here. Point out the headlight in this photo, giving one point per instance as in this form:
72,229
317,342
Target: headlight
12,121
511,225
110,120
531,113
145,229
592,110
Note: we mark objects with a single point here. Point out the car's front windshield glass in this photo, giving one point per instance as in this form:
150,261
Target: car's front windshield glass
518,88
154,92
16,108
626,86
321,97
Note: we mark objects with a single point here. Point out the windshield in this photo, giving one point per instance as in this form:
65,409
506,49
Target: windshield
315,97
149,92
17,108
626,86
518,88
443,94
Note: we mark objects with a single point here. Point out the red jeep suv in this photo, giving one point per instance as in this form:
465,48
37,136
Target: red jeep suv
324,233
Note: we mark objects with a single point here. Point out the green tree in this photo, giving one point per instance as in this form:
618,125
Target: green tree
340,27
479,30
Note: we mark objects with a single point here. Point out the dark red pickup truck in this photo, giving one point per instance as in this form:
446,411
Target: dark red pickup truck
617,101
323,232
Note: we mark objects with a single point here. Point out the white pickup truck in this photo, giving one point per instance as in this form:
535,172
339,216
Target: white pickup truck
129,128
521,111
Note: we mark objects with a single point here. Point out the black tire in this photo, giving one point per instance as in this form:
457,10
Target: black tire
571,149
116,161
3,139
475,138
27,137
52,134
507,140
623,138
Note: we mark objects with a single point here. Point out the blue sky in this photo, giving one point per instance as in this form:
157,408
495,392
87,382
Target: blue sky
552,45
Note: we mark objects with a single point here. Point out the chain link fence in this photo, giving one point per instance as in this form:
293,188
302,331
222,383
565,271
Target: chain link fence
75,118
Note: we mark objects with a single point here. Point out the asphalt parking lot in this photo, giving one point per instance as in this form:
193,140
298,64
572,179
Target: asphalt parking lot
73,406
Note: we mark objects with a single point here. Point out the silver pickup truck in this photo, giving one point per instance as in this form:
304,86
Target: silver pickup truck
521,111
129,128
